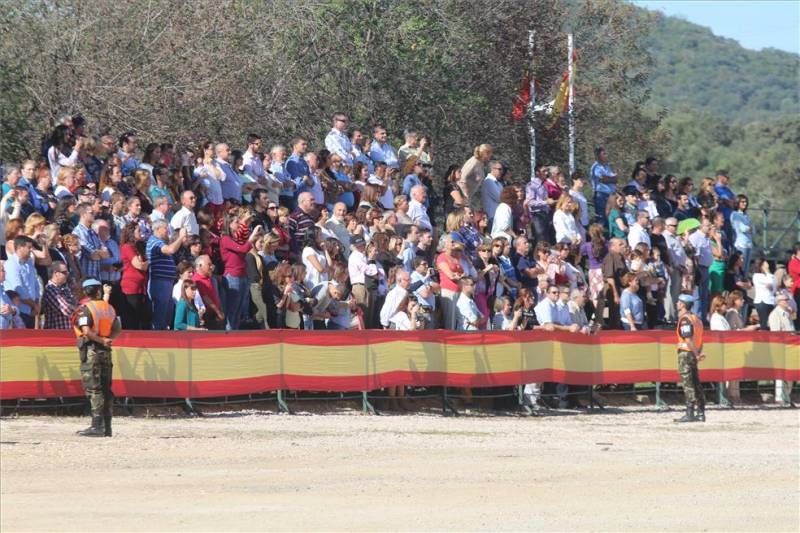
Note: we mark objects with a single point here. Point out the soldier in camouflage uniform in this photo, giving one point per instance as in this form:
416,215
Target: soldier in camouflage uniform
690,346
96,324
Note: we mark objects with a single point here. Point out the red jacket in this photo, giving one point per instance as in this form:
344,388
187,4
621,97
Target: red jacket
794,270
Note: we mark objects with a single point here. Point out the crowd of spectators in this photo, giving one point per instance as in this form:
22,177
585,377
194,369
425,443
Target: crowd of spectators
360,234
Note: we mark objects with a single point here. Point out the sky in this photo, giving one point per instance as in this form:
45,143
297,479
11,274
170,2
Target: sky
756,24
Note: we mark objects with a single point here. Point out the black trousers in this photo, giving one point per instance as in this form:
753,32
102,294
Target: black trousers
135,313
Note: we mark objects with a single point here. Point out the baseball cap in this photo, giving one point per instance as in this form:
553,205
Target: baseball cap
357,240
686,298
91,282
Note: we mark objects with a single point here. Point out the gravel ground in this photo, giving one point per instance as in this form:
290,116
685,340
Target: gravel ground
624,469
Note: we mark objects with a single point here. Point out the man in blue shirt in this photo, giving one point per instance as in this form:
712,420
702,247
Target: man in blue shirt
20,277
162,272
414,179
127,153
232,184
525,265
92,249
604,183
726,200
297,168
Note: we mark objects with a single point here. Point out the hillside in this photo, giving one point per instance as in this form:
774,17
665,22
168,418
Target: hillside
694,69
729,108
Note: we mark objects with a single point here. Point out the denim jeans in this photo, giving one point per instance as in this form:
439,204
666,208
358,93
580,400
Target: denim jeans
600,201
160,291
703,292
237,300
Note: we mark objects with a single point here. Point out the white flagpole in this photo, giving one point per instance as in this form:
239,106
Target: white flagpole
571,107
531,127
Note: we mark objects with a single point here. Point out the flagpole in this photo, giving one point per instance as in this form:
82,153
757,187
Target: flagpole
531,127
571,106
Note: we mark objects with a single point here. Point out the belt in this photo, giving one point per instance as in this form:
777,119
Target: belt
354,284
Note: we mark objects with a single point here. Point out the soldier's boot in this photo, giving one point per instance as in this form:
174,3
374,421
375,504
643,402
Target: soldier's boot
95,430
107,425
701,413
689,416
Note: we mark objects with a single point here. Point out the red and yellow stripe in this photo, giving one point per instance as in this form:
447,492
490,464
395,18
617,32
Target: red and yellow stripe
45,364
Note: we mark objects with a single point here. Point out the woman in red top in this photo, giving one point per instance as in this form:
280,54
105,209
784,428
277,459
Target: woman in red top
233,248
794,272
555,185
450,273
136,311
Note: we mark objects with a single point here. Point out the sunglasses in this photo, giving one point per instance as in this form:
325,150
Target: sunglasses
272,207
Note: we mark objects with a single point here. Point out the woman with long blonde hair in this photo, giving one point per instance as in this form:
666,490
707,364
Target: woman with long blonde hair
564,223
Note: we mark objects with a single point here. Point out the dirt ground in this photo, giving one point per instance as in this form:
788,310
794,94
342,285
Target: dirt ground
626,469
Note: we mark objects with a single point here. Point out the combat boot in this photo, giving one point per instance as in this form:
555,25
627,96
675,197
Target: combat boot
95,430
689,416
107,425
701,413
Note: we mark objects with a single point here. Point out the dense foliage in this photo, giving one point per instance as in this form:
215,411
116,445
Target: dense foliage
451,68
186,70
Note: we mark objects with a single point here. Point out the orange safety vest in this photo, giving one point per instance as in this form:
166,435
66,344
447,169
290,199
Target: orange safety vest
103,317
697,336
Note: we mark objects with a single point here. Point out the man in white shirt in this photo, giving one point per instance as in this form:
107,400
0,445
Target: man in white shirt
780,319
416,208
468,316
395,296
185,216
491,189
638,231
337,226
548,316
382,150
250,161
337,142
358,267
676,268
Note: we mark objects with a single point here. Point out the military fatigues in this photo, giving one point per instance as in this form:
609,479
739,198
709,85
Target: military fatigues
96,365
690,379
690,328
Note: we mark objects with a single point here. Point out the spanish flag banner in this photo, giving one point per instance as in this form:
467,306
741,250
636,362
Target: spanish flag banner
45,364
561,101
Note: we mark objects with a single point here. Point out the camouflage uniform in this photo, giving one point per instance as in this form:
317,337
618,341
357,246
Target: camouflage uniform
690,379
690,334
96,370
